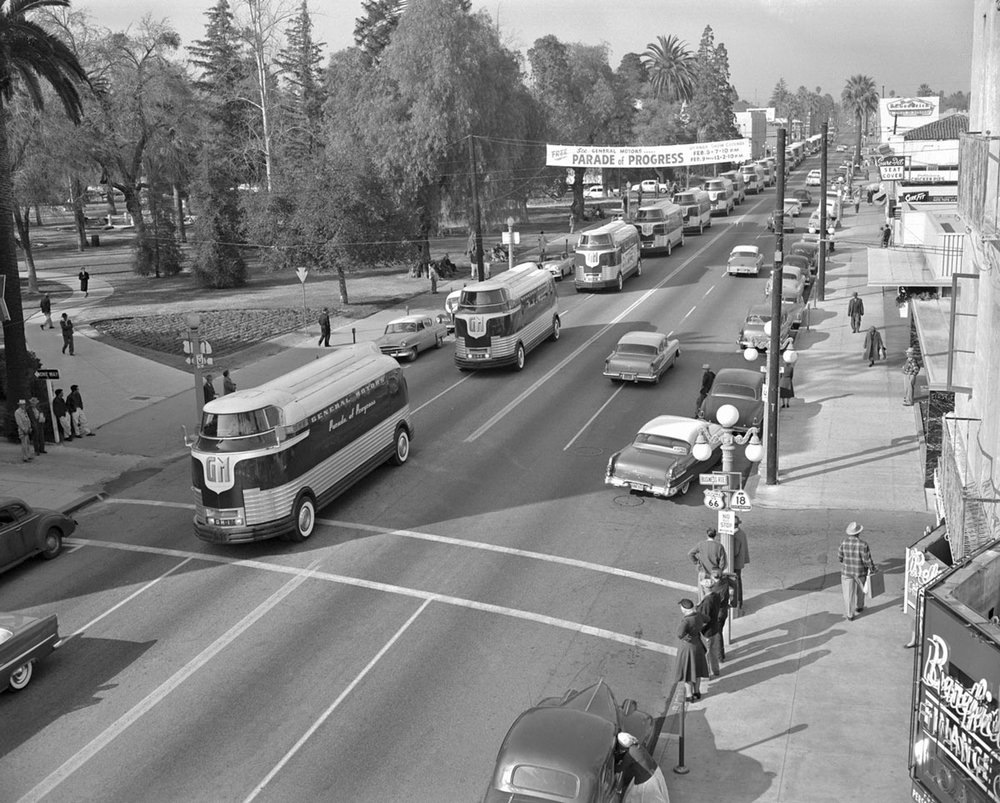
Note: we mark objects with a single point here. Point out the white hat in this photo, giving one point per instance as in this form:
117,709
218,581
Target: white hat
854,528
21,401
627,739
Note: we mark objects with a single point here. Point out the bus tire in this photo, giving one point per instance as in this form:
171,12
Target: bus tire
519,351
555,328
621,283
401,450
304,518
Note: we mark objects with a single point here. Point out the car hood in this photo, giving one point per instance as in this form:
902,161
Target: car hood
751,410
643,465
396,339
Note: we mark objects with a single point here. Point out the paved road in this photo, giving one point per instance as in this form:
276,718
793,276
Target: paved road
385,658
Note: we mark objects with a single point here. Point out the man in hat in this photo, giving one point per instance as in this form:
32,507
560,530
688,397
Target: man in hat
707,379
324,328
228,385
910,370
45,305
855,310
76,415
37,425
855,565
23,421
708,555
710,608
208,389
741,557
61,411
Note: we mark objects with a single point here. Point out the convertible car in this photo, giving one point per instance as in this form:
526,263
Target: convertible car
660,461
26,531
406,337
24,640
565,749
641,357
743,389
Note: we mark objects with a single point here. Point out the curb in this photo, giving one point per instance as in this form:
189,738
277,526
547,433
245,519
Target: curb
83,502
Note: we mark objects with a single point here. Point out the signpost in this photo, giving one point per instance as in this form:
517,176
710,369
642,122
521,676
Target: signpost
302,273
48,374
715,500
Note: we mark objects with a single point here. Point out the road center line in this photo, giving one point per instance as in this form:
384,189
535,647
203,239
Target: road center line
124,722
590,420
689,312
336,703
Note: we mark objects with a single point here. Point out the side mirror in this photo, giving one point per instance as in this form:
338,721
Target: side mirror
188,440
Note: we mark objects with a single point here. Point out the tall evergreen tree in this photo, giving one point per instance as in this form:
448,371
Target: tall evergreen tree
711,107
780,98
300,64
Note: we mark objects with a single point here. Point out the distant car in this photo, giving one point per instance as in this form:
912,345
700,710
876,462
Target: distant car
660,460
650,185
408,336
841,148
803,196
745,260
809,250
26,531
641,357
741,387
792,282
792,207
813,178
787,222
801,263
560,266
24,640
565,750
752,334
597,191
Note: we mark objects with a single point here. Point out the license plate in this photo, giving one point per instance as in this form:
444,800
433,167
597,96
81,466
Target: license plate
639,486
227,522
590,278
477,355
628,377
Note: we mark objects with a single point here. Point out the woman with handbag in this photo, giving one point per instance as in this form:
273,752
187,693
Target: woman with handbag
874,347
691,665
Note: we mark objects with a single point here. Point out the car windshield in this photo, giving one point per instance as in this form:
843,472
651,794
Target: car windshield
400,327
744,254
635,350
740,391
649,440
549,781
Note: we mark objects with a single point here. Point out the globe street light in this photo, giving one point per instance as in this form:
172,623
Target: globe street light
510,245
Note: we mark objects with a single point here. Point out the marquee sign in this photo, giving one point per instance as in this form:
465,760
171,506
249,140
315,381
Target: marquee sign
652,156
909,107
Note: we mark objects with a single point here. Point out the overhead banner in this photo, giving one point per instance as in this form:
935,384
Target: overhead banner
695,153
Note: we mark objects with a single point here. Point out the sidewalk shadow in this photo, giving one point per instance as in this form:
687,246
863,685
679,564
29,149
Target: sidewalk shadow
895,448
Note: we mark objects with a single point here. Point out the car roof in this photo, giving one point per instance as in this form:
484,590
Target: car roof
641,338
12,500
674,426
408,319
739,376
754,248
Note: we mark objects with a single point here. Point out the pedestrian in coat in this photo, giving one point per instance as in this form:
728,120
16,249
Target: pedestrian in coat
741,558
855,565
708,555
572,222
857,202
23,422
874,347
542,242
208,388
75,404
61,411
910,370
786,390
37,425
433,275
45,305
84,278
886,235
711,629
67,333
228,385
691,665
707,379
324,328
856,311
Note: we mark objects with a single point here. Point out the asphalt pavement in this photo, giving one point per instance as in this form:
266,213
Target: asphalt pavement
848,450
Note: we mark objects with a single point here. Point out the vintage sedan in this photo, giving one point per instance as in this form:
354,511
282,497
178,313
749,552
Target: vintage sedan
559,266
814,178
408,336
793,282
743,388
803,196
793,207
23,641
641,357
565,749
26,531
787,222
800,262
753,334
745,260
660,461
807,248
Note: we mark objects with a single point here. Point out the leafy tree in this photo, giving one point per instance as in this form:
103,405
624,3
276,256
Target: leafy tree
671,68
373,31
956,100
924,91
29,56
860,98
632,74
711,106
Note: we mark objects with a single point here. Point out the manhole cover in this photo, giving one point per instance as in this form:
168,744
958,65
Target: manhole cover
588,451
629,500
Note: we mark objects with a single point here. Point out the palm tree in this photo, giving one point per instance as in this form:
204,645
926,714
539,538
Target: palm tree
29,57
671,68
861,98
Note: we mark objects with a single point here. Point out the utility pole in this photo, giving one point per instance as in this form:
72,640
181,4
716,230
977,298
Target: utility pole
821,272
476,216
774,347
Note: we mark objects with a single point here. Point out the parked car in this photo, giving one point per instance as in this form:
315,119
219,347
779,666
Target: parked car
641,357
650,185
752,333
565,749
787,222
792,207
26,531
597,191
802,263
745,260
792,282
409,335
809,250
813,178
24,640
660,460
803,196
743,388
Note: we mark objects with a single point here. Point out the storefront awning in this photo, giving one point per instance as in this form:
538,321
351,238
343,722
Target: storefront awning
901,267
946,366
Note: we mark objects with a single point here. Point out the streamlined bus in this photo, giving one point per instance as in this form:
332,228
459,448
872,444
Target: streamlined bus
660,225
607,256
697,209
267,458
500,320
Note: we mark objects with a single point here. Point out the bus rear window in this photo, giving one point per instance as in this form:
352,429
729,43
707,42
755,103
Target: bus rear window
591,240
483,301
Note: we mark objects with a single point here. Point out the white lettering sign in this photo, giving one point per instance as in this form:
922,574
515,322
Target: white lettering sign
653,156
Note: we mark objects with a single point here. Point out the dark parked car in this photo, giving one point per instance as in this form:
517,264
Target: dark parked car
743,389
26,532
564,750
23,641
803,195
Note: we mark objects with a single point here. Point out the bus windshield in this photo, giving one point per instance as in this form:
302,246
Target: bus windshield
591,240
483,301
651,214
229,432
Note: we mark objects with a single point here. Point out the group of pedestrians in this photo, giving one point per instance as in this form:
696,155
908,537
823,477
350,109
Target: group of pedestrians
70,421
874,349
208,387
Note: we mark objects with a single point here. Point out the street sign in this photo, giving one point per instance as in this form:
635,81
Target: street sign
302,273
715,500
740,500
47,373
727,522
891,168
713,479
201,360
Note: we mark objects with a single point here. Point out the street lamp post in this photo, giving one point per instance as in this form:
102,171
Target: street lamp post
193,320
510,245
771,378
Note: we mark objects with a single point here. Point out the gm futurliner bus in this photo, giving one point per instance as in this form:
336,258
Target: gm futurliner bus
267,458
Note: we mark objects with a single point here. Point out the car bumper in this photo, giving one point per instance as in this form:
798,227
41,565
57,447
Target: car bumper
596,284
397,351
630,376
742,270
215,534
662,491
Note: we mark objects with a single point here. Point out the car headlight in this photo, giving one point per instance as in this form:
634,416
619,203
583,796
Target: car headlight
402,343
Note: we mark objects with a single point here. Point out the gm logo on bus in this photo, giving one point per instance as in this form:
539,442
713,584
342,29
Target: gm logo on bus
218,473
476,325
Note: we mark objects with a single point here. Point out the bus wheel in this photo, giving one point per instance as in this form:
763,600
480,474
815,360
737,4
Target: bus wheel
21,676
305,519
621,282
555,329
519,354
402,451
